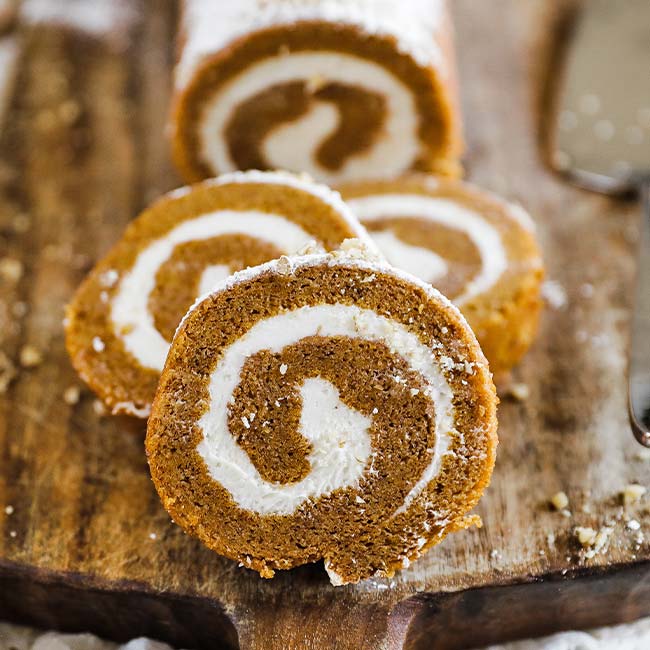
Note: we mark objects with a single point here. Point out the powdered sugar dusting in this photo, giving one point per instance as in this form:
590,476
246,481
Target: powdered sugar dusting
211,25
354,254
555,294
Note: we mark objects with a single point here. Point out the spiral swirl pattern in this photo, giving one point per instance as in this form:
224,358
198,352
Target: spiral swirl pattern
340,90
352,419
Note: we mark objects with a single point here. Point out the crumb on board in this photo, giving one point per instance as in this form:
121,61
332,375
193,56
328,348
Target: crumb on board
30,356
99,408
632,493
586,535
11,270
587,290
593,541
98,344
71,395
554,294
9,510
519,391
559,501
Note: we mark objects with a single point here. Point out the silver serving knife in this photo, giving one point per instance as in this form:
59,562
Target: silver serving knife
602,142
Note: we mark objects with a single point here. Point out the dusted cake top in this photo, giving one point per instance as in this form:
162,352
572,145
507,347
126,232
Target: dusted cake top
209,26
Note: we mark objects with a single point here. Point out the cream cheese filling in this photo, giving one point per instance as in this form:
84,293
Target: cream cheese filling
132,320
485,237
294,145
325,421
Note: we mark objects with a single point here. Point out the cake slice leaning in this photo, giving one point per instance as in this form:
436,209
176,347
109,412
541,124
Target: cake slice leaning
123,316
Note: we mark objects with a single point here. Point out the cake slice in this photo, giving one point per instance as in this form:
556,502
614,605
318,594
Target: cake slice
323,407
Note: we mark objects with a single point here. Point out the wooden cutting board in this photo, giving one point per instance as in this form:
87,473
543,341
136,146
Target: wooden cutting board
84,542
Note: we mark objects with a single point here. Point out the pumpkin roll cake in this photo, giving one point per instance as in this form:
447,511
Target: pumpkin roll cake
473,246
124,315
323,407
340,89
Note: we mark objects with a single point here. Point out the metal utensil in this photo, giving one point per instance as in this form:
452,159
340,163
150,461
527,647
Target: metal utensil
602,143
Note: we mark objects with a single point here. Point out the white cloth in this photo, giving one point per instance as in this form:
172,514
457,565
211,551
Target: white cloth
14,637
633,636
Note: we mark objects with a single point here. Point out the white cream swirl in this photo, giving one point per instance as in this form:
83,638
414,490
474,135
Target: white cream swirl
130,314
341,451
294,144
485,237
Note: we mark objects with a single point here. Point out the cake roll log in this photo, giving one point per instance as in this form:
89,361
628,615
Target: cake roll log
478,249
350,419
340,89
125,313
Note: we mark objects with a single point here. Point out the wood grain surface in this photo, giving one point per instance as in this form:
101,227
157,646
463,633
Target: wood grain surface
84,541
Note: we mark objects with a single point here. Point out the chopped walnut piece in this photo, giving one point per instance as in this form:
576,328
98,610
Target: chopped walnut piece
632,493
520,391
593,541
71,395
586,536
560,501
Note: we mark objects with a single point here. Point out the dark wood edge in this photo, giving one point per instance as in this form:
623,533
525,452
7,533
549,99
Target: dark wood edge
120,611
581,599
470,618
